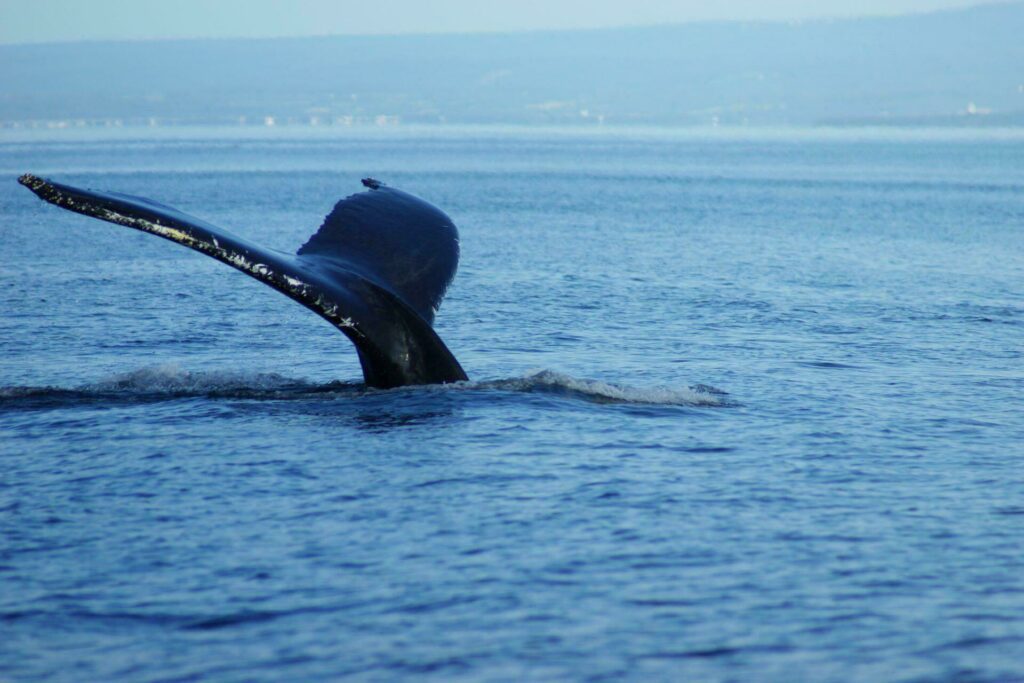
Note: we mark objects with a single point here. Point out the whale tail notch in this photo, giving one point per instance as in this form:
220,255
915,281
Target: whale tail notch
376,269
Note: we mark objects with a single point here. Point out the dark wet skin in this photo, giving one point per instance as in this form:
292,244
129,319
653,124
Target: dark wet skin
377,269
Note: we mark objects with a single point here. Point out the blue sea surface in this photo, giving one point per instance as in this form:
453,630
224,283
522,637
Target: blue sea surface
743,406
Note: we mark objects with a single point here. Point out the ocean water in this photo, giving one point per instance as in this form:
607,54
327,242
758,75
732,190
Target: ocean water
743,406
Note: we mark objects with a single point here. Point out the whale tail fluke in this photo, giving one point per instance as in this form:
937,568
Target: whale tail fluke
406,242
376,269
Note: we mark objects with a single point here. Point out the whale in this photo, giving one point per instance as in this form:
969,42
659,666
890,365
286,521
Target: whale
376,269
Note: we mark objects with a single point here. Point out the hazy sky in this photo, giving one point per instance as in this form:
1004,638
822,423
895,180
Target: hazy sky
24,21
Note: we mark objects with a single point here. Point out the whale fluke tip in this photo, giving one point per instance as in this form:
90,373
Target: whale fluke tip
40,186
30,181
372,183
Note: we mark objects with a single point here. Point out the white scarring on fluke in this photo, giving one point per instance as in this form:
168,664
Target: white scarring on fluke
399,302
260,270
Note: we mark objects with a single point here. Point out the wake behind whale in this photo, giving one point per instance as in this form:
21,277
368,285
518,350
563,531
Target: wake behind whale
170,382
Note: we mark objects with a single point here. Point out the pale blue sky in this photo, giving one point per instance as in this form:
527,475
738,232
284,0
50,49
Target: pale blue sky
24,21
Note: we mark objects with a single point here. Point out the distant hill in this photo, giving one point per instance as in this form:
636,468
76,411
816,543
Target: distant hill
962,67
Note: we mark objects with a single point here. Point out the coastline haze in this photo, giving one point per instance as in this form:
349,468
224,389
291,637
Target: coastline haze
950,68
67,21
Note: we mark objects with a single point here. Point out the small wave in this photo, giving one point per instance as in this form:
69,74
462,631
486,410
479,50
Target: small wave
163,382
549,381
172,379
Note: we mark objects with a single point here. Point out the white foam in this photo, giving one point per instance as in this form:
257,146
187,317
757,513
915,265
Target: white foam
171,378
606,392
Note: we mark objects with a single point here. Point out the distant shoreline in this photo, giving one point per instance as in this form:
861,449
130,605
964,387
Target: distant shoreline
955,69
127,131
